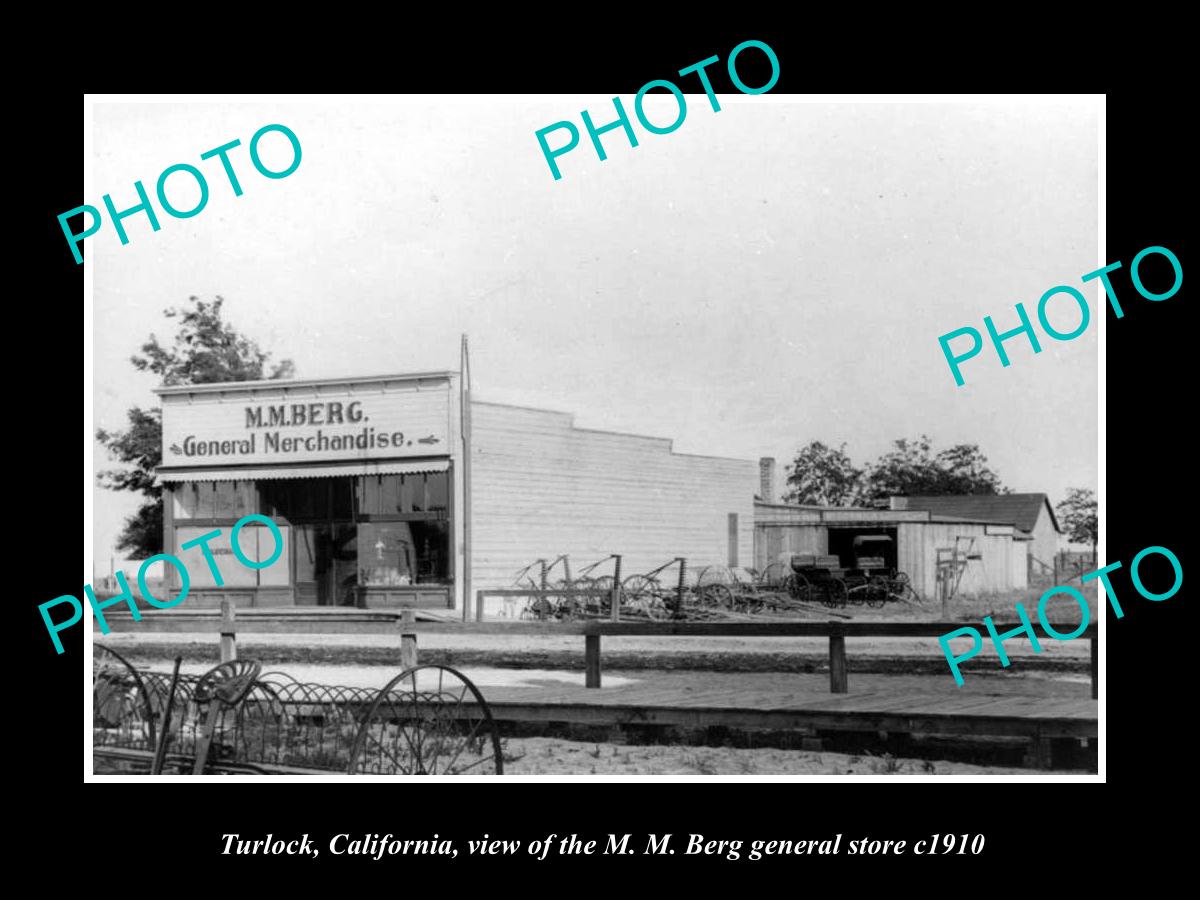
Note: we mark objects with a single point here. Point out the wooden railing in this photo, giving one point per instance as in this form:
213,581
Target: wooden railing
228,623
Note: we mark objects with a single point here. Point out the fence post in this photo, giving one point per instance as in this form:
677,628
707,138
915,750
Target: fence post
616,590
591,660
228,631
408,640
837,664
1096,666
479,606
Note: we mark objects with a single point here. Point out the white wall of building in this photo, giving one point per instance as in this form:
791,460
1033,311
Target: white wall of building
542,487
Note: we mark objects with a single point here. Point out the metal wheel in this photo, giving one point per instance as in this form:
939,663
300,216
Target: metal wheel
717,596
642,595
636,586
428,720
904,592
877,591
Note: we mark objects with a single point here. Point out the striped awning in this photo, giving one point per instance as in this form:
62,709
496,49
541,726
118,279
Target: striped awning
172,474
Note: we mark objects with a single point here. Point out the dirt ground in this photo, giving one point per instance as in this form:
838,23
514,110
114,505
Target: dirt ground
550,756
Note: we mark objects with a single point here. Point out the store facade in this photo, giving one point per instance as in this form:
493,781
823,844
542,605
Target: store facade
359,475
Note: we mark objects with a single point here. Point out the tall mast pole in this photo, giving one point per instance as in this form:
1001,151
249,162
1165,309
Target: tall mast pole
465,411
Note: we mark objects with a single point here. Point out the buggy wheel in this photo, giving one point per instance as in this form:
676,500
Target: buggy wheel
877,591
429,720
836,594
798,587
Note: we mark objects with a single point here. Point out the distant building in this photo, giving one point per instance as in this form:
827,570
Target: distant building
965,554
1031,514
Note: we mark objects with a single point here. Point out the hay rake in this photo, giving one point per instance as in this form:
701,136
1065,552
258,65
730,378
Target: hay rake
235,720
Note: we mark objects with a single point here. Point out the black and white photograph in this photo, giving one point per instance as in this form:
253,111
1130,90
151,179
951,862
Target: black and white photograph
693,434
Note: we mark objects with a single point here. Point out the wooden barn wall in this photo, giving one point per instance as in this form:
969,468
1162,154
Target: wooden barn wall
1019,563
1045,539
541,487
994,573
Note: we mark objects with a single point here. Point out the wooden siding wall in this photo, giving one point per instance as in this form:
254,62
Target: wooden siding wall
1045,539
994,573
542,487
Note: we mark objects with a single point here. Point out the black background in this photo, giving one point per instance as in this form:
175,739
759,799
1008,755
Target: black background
1149,410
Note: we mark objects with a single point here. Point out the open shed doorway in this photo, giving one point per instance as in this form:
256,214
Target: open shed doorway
872,542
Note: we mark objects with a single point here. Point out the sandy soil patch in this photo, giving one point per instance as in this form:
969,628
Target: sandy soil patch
550,756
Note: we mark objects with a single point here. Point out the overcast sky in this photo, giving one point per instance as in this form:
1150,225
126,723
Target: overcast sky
771,274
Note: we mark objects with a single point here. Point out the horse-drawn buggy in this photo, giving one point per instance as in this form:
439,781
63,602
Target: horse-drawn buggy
869,580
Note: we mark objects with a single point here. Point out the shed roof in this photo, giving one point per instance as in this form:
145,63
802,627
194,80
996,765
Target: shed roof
1021,510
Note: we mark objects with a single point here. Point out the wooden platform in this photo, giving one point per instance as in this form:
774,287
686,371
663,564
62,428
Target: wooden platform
895,710
891,711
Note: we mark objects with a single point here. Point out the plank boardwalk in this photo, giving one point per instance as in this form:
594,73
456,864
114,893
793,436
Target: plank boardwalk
895,710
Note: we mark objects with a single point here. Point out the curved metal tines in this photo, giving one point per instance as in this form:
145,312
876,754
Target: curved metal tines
122,714
430,720
588,569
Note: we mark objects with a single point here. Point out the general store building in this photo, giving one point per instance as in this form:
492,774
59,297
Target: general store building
395,491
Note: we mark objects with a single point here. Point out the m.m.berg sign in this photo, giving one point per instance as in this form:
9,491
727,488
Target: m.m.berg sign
280,424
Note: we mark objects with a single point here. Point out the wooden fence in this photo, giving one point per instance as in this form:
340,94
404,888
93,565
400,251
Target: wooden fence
228,623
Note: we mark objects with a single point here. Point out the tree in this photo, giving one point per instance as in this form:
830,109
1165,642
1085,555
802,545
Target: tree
827,476
911,468
964,470
206,349
1078,516
822,475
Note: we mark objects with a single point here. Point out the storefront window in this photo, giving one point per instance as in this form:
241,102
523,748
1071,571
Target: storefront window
340,534
385,554
395,554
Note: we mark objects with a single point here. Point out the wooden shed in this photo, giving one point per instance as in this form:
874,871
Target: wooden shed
981,557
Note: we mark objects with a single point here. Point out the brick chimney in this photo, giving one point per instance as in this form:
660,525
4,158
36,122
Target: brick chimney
766,479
